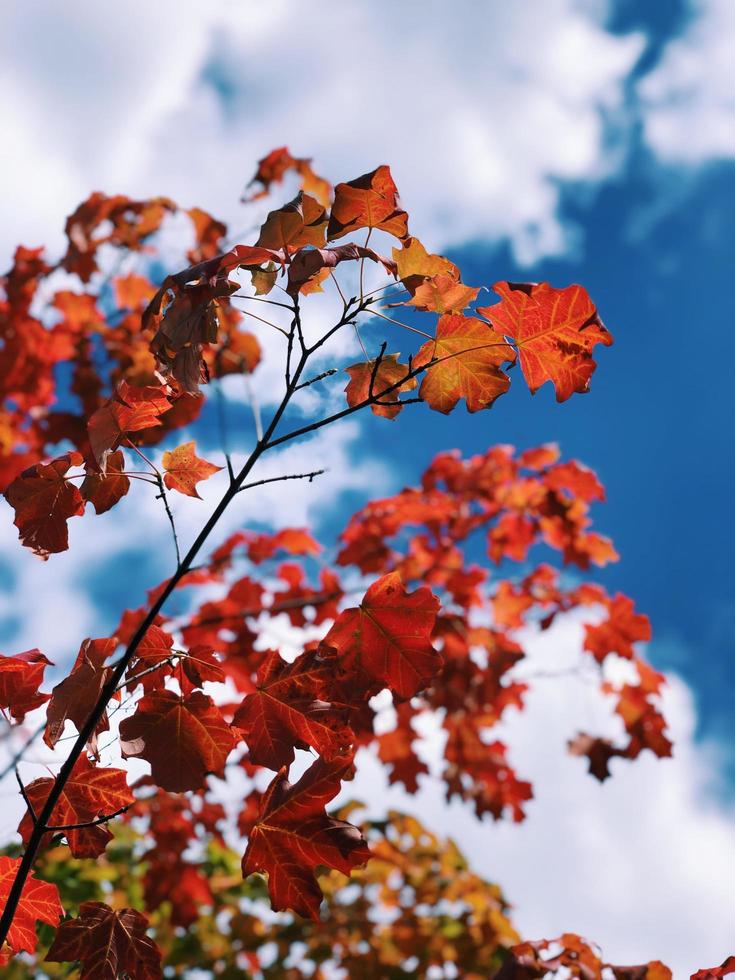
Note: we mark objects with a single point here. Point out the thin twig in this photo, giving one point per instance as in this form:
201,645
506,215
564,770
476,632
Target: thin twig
162,496
398,323
319,377
26,799
277,479
269,322
56,828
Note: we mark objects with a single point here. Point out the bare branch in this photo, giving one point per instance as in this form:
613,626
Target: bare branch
319,377
26,799
277,479
56,828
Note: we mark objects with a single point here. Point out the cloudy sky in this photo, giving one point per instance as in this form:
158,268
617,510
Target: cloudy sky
549,139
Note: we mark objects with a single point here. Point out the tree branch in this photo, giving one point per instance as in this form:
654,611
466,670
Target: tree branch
277,479
55,828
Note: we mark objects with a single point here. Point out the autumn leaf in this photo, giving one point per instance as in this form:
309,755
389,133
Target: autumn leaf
184,469
369,378
208,234
20,679
90,792
716,972
302,221
292,540
43,500
577,480
276,164
104,490
443,294
75,697
293,836
370,201
130,409
388,637
39,902
183,737
555,331
617,634
186,312
469,354
415,265
288,710
108,943
309,263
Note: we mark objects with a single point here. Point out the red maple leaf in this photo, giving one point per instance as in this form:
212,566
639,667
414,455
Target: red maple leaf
388,637
184,469
293,836
20,678
369,378
108,943
44,500
183,737
39,902
90,792
370,201
288,711
75,698
617,634
555,331
104,490
468,354
130,409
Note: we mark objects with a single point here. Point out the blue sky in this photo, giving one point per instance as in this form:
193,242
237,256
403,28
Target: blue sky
570,140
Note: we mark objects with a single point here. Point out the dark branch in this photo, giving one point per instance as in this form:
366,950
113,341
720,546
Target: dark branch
277,479
56,828
26,798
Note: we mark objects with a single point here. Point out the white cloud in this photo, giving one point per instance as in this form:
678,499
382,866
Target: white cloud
641,864
688,101
483,114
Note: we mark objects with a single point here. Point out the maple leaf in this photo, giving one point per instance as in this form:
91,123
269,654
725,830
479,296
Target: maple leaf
370,378
104,490
260,547
617,634
293,836
415,265
208,233
20,678
43,500
469,354
184,469
576,479
130,409
555,331
598,752
715,972
395,749
276,164
39,902
90,792
187,310
388,636
309,263
183,737
369,201
443,294
239,353
302,221
154,650
76,696
287,711
108,943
